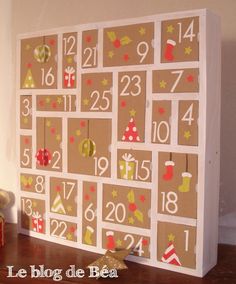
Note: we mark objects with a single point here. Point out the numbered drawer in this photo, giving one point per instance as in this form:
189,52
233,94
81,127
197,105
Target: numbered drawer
32,183
39,62
89,55
26,112
33,214
63,196
96,95
131,106
128,45
126,205
175,80
188,123
63,230
134,165
89,221
89,146
117,240
177,184
69,60
180,40
48,143
25,151
56,103
161,122
176,244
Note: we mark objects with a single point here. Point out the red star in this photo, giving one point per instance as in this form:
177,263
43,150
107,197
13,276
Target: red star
142,198
41,103
54,104
82,123
190,78
123,103
72,139
58,188
26,141
88,38
72,229
89,82
92,188
52,41
53,130
161,110
29,65
144,242
126,57
86,197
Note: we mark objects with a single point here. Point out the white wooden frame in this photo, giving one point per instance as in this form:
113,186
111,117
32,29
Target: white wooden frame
207,150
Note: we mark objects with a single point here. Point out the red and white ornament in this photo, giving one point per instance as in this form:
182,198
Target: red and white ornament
110,240
37,222
170,44
131,133
170,255
69,77
43,157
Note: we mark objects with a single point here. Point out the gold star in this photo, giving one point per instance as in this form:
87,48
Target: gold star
111,54
48,100
162,84
58,137
114,193
104,82
119,243
25,120
187,134
85,102
187,50
27,47
59,100
132,112
34,203
170,29
78,132
69,208
131,220
142,31
69,236
48,123
69,59
171,237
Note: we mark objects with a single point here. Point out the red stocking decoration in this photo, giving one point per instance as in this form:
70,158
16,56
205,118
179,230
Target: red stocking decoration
168,175
110,240
169,49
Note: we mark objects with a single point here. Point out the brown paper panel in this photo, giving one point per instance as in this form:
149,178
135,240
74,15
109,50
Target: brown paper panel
25,151
132,106
32,183
49,137
128,45
63,196
176,244
179,40
26,112
39,62
32,214
56,103
96,93
161,127
69,60
89,53
175,81
134,165
63,230
126,205
117,240
177,180
188,123
96,135
89,225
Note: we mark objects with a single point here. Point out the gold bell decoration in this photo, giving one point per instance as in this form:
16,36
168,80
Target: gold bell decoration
42,53
87,147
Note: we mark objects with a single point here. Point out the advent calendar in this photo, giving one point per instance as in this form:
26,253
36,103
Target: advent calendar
118,138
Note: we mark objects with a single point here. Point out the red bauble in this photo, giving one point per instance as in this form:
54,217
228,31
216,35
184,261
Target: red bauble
44,157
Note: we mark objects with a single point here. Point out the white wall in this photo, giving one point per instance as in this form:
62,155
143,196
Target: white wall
32,15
